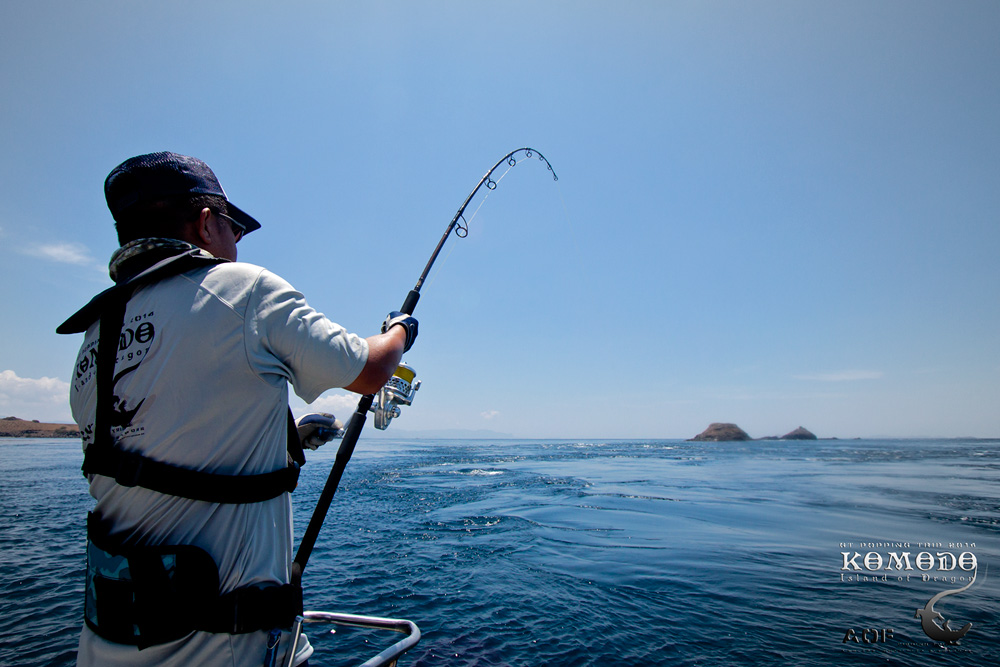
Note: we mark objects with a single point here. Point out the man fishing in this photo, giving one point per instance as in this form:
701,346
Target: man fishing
181,391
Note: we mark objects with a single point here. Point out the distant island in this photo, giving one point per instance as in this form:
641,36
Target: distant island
719,432
724,432
14,427
798,434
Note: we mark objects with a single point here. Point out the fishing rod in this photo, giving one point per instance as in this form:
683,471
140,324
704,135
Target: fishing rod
395,391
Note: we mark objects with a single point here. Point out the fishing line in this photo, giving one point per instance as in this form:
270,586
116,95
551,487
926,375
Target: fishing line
462,229
438,270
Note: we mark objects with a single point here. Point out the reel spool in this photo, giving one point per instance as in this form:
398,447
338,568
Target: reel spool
399,390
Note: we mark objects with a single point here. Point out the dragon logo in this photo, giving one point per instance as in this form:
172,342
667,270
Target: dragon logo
121,415
928,617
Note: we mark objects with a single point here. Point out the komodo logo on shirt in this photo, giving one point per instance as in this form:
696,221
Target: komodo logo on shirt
134,343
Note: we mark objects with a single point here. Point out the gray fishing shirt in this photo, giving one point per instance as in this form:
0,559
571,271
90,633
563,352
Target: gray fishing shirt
202,374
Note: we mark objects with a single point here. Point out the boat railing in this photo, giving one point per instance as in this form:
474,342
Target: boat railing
386,658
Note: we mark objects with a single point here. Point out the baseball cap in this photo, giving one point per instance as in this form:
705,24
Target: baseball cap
154,176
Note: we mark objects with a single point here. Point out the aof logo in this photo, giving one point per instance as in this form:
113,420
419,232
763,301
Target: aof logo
868,636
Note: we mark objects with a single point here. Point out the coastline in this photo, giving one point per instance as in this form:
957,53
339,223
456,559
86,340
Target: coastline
14,427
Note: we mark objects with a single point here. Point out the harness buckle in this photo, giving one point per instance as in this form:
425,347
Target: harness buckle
129,468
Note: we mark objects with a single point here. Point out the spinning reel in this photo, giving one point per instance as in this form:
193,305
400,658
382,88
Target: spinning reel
399,390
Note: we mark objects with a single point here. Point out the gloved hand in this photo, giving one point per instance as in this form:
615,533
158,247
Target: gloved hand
406,321
317,428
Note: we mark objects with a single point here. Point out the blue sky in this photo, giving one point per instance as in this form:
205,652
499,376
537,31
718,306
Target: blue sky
775,214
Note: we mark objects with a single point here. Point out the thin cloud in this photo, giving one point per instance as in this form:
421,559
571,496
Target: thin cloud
489,414
842,376
63,253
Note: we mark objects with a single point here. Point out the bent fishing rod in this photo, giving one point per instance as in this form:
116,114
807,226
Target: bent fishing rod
460,227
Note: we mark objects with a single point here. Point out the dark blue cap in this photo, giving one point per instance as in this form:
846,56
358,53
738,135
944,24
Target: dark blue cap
147,178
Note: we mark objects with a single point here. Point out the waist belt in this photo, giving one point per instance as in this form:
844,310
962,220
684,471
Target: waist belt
133,469
145,596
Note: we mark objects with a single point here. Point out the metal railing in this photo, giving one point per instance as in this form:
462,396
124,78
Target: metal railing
386,658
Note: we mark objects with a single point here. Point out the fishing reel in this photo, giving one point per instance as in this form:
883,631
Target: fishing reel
399,390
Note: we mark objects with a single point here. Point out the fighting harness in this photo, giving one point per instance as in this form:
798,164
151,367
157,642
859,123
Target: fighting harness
149,595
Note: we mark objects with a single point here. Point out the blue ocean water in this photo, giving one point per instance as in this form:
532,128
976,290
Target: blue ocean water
562,552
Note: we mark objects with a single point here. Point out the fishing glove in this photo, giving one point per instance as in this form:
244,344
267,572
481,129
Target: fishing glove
408,322
318,428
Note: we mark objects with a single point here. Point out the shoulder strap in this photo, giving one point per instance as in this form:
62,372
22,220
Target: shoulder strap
97,455
83,318
294,445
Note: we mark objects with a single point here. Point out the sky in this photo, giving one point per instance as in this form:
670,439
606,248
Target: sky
777,214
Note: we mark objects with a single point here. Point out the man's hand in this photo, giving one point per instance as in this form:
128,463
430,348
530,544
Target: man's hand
317,428
408,322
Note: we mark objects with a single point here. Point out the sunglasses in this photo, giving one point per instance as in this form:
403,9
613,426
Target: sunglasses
238,229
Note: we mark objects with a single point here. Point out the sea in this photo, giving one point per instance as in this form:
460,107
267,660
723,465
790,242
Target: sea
593,552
